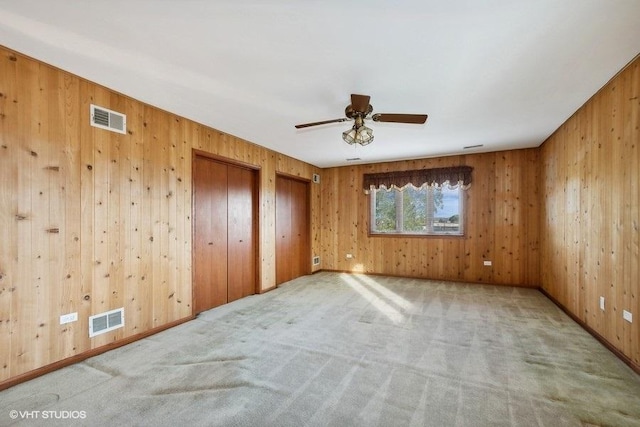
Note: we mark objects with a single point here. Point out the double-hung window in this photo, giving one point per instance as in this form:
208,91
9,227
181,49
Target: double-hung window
423,202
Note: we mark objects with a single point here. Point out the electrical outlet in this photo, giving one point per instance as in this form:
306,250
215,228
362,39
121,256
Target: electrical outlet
602,303
626,315
349,256
68,318
487,263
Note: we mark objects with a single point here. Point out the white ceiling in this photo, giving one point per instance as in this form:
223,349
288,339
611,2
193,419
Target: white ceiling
502,73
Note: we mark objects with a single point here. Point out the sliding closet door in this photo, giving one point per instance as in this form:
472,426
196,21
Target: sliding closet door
224,233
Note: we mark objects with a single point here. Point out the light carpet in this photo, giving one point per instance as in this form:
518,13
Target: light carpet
336,349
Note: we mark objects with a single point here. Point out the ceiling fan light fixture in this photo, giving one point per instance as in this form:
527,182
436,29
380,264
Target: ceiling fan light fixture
358,135
360,109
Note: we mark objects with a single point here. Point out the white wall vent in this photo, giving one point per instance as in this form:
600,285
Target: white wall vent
107,119
105,322
316,260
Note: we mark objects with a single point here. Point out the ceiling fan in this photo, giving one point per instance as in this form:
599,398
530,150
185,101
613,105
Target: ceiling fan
359,110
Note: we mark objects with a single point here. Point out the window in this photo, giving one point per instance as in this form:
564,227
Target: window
427,210
419,202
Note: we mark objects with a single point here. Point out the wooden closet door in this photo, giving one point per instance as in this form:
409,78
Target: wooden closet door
202,271
241,233
210,240
283,230
300,238
293,246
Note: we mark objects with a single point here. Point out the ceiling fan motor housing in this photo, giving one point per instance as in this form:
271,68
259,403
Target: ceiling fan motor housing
350,113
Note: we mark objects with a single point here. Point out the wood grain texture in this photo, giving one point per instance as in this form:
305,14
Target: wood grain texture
292,228
9,149
241,251
501,224
121,206
208,275
590,209
224,232
283,229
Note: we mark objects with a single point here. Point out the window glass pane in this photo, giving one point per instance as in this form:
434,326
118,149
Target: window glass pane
447,211
385,211
414,212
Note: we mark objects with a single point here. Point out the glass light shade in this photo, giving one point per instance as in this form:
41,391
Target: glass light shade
349,136
362,135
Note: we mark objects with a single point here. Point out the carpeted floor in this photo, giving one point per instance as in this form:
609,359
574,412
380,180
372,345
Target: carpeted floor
349,350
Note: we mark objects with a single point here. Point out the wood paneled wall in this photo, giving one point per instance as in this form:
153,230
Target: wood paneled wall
590,244
92,220
501,224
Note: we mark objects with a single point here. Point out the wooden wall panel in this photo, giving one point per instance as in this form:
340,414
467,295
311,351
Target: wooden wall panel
591,216
632,246
92,220
267,209
501,224
134,232
9,156
33,326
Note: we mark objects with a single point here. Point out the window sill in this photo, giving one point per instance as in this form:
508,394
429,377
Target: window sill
428,236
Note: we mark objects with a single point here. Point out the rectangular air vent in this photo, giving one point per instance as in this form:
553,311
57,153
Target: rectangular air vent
105,322
316,260
107,119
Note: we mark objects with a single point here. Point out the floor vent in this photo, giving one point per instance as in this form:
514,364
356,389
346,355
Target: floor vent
316,260
105,322
107,119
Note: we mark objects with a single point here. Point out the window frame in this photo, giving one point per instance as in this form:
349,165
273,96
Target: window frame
463,196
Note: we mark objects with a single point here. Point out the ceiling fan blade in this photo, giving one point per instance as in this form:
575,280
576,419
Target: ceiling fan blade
324,122
360,103
400,118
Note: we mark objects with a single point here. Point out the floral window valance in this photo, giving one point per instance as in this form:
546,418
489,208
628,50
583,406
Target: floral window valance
452,176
